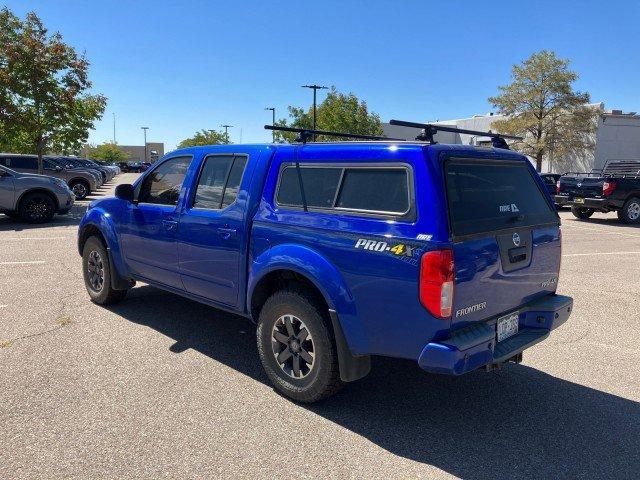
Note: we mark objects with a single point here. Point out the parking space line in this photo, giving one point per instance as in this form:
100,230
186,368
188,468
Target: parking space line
599,253
17,239
569,227
31,262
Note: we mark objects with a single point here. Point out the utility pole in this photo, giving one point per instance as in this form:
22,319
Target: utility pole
114,127
145,142
226,133
315,88
273,122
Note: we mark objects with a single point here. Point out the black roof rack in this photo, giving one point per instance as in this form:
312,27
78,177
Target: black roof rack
305,134
430,129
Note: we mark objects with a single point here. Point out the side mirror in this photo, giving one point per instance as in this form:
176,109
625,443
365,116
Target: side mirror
58,168
125,192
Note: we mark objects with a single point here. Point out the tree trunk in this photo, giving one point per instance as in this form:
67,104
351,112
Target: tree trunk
40,149
539,162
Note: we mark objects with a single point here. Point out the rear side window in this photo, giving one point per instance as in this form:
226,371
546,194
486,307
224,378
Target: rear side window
485,196
373,190
320,185
162,186
25,163
379,190
219,181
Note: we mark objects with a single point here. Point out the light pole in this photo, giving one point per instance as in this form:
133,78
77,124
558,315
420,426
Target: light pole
226,133
145,142
114,127
315,88
273,122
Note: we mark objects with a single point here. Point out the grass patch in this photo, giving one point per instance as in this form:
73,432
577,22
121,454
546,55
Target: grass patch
5,343
62,321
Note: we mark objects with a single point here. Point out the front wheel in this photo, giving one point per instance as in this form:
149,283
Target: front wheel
37,208
80,189
97,273
296,347
630,212
582,213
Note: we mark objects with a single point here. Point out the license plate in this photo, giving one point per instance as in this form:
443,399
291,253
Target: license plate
578,200
507,326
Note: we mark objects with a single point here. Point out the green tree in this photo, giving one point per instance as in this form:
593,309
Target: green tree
205,137
109,152
44,99
338,112
542,106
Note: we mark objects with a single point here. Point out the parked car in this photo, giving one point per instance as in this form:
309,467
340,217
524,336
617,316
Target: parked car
448,255
551,183
82,182
615,189
33,198
105,173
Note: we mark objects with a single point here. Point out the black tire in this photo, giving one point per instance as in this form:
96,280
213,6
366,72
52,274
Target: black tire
630,212
314,381
37,207
581,212
80,189
97,273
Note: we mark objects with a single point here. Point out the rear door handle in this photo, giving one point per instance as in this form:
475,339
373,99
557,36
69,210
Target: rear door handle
170,225
226,233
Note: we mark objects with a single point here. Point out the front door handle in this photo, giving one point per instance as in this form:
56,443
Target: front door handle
226,233
170,225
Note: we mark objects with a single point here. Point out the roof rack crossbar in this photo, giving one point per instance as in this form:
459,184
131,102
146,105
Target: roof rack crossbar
305,134
430,129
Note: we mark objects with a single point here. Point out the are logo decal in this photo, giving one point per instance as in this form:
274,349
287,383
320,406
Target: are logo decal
508,208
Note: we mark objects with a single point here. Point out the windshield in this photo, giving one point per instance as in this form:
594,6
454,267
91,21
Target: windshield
487,195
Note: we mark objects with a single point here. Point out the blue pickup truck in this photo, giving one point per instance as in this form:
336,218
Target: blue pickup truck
447,255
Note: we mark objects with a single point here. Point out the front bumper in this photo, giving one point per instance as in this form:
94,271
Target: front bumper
65,201
475,346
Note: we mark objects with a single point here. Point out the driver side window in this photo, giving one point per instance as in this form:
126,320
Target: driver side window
162,186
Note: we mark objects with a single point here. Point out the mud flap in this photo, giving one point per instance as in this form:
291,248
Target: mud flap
351,367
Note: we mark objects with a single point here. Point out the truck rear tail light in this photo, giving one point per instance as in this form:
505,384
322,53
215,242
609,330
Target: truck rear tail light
608,188
558,186
436,282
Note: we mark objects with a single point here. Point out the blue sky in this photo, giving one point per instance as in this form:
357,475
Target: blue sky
178,67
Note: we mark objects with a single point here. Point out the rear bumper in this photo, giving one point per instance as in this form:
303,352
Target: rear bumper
475,346
601,204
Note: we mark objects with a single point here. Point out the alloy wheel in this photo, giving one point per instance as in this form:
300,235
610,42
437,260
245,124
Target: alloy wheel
293,346
633,211
38,208
95,271
79,190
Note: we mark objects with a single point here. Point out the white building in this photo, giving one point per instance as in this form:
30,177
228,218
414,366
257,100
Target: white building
618,138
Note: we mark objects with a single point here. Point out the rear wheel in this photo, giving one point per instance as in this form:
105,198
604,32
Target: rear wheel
37,207
296,347
630,212
80,189
582,213
97,273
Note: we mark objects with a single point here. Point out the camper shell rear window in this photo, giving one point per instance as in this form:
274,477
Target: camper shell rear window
489,195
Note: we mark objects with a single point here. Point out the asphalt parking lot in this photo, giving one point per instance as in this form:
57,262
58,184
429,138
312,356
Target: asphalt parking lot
159,386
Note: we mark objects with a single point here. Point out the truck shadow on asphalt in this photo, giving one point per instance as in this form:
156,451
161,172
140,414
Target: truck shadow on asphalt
15,225
515,423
